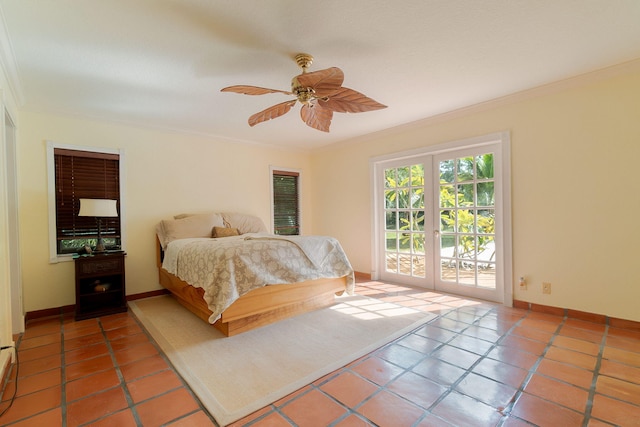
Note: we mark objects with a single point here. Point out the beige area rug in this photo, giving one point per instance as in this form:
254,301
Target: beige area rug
235,376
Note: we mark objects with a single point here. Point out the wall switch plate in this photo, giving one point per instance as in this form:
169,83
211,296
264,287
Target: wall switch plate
546,287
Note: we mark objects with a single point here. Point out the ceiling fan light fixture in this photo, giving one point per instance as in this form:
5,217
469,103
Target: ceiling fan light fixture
320,92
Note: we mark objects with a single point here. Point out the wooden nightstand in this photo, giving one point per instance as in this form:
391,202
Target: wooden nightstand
100,285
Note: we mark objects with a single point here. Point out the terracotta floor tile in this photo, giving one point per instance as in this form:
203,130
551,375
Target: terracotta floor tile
95,406
388,410
577,345
83,341
515,422
545,413
532,333
439,371
431,420
91,384
89,329
124,331
167,407
540,323
143,367
400,355
51,418
621,371
377,370
44,328
40,365
349,389
482,333
417,389
41,381
456,356
563,394
39,352
567,373
40,341
465,411
571,357
419,343
513,356
33,403
492,393
622,356
352,421
582,324
471,344
581,334
313,409
524,344
435,333
619,389
502,344
623,343
449,324
615,411
201,419
115,321
501,372
131,354
88,367
153,385
120,419
129,341
84,353
273,419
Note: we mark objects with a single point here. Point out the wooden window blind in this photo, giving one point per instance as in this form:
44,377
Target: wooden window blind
90,175
286,212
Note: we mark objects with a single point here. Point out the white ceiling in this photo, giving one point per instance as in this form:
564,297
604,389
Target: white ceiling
162,63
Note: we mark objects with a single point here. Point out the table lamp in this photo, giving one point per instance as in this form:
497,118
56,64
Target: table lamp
98,208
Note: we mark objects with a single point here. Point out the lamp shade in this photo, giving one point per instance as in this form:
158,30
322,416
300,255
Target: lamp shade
101,208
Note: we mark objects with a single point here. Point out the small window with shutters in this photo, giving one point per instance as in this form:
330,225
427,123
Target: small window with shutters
79,174
286,207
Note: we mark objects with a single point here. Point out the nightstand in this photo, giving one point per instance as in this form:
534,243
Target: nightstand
100,284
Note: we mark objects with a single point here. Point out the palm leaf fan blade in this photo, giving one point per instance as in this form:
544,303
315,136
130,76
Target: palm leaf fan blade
271,112
316,116
324,82
347,100
252,90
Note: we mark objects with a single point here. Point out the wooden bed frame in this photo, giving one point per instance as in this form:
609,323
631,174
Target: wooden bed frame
260,306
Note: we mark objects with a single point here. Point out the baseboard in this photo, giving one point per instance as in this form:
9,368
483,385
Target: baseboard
70,309
579,315
365,277
6,358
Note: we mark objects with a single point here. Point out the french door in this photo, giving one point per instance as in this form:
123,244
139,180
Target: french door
439,222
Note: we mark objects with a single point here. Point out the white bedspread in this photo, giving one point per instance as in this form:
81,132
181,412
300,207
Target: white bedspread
227,268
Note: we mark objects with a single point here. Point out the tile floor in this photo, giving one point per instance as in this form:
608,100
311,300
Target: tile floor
477,364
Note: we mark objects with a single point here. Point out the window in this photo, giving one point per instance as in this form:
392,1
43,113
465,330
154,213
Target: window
76,173
286,210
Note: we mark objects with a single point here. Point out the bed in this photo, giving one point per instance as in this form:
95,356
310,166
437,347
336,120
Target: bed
227,270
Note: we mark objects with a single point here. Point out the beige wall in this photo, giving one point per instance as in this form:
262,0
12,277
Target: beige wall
165,174
575,148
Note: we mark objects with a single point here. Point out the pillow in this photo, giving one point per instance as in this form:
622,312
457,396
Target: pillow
224,232
199,225
244,223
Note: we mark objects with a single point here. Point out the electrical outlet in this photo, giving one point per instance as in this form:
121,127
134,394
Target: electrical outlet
546,287
523,284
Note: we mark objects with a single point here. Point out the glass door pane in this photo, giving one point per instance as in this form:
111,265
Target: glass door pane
466,213
404,213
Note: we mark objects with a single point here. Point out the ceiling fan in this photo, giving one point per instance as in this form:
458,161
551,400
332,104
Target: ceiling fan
320,92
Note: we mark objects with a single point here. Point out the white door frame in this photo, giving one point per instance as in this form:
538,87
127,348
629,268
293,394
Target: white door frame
503,140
